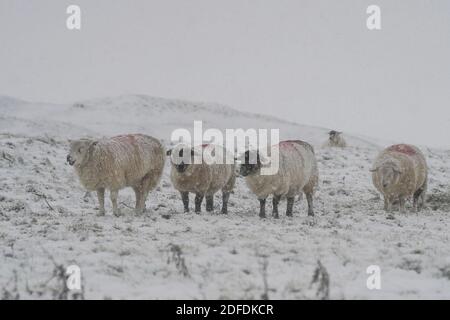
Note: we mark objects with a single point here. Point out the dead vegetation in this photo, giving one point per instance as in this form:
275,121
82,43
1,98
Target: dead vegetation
56,287
176,257
321,280
264,265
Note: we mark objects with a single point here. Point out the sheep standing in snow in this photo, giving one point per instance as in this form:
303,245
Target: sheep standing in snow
133,160
401,171
297,173
204,179
335,139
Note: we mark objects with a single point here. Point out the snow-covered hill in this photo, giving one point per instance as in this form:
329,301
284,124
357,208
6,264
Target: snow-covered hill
47,220
138,113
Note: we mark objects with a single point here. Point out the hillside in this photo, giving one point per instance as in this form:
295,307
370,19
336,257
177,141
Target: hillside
47,219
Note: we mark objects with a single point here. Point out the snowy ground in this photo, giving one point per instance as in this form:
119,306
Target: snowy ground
47,220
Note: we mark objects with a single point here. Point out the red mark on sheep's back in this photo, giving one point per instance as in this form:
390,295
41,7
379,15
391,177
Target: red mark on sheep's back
292,143
127,138
403,148
287,143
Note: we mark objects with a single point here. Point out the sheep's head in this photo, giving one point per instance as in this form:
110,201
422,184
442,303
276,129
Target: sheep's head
181,157
389,174
79,150
334,135
251,163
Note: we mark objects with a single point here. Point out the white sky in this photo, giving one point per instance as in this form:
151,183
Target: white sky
309,61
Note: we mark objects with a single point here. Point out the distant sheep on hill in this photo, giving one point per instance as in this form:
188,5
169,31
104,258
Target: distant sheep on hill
335,139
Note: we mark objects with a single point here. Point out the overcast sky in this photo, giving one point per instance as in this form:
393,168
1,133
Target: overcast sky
309,61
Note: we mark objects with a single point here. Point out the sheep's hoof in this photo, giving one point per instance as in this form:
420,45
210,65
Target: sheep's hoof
224,212
101,212
276,216
117,213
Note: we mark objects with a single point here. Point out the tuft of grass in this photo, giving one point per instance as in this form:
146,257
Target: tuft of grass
176,256
322,280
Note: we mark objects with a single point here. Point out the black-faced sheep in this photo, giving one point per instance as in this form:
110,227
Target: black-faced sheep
203,179
112,164
335,139
297,173
401,171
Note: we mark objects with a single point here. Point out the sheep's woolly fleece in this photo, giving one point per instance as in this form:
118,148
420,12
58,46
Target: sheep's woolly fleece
47,221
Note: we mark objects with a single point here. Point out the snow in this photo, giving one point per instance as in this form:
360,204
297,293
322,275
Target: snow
47,219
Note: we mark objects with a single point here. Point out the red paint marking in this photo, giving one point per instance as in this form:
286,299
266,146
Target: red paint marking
286,144
128,138
403,148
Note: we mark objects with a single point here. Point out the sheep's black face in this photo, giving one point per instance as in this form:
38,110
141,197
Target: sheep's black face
179,163
70,161
249,167
181,167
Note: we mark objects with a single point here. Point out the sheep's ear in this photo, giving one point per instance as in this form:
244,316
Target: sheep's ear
374,169
169,152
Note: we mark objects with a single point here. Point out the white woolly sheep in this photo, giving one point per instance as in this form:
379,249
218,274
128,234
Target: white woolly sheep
400,171
335,139
297,173
133,160
204,179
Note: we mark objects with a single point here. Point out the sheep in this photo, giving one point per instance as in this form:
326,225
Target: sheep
335,139
297,173
133,160
203,179
400,171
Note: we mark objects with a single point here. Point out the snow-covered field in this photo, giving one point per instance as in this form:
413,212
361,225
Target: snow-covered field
48,222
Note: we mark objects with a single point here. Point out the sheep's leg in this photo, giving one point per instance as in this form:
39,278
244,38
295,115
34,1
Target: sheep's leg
423,195
209,202
198,202
415,202
101,201
262,208
185,199
275,202
419,199
225,197
401,204
114,195
148,183
140,200
387,204
309,199
290,206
